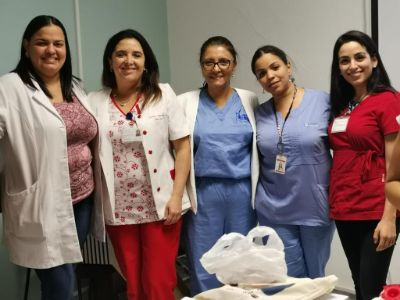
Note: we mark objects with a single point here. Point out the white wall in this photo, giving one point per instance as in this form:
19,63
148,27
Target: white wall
305,29
100,19
389,38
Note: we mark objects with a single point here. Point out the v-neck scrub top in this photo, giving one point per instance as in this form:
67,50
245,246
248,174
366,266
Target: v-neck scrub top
222,139
358,169
300,196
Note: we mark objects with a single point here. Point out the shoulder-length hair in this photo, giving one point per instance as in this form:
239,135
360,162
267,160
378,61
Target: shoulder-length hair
27,72
149,86
343,92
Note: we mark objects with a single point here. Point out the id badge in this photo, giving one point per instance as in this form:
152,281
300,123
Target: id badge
131,134
340,124
280,164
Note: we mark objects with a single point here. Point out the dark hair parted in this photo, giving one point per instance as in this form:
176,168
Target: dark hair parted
218,41
266,50
25,69
343,92
149,85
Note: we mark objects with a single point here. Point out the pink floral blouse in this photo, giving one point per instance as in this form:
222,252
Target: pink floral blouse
134,203
81,130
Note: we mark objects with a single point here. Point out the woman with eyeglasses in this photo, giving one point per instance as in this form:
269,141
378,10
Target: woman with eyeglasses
292,140
141,125
224,158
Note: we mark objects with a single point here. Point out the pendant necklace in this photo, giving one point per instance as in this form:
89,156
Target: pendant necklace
122,104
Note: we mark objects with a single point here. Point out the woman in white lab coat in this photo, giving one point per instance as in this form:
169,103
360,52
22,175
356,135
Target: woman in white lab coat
140,125
224,171
50,174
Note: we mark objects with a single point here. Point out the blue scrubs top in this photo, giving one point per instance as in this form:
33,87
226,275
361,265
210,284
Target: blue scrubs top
300,196
222,139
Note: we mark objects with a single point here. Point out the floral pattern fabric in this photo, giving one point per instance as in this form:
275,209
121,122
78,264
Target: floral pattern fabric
134,203
81,129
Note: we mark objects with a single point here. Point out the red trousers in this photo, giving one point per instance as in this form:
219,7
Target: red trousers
146,254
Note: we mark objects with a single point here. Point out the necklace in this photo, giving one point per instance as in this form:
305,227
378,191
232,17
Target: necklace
128,115
121,103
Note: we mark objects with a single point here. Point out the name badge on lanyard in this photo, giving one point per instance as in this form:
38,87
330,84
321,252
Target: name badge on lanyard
281,159
340,124
280,164
131,134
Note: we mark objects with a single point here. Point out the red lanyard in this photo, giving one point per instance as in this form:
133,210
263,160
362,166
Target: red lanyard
135,105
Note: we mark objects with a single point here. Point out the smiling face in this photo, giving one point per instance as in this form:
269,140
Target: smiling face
127,62
273,74
356,65
219,75
47,51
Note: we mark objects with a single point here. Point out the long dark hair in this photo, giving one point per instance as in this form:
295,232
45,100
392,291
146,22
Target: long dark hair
27,72
218,41
343,92
150,78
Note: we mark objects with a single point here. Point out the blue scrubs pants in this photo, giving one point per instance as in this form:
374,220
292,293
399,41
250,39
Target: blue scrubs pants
223,206
57,283
307,248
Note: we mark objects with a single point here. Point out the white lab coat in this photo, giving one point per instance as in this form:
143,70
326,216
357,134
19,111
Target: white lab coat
159,123
190,103
38,220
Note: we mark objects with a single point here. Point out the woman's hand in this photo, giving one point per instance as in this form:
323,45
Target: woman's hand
385,234
173,210
385,231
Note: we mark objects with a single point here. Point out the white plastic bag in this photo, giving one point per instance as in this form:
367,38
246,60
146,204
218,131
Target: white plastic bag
245,259
297,289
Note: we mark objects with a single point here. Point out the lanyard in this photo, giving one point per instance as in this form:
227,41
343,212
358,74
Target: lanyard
129,114
279,145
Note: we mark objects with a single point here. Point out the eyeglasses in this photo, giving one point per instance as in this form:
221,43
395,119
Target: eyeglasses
209,65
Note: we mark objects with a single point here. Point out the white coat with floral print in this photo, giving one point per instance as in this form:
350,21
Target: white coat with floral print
160,122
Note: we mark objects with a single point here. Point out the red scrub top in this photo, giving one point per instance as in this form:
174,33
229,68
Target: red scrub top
358,171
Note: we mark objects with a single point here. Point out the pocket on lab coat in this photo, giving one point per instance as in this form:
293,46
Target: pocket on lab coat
23,213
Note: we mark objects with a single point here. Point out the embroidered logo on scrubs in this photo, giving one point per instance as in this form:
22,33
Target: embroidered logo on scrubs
241,116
